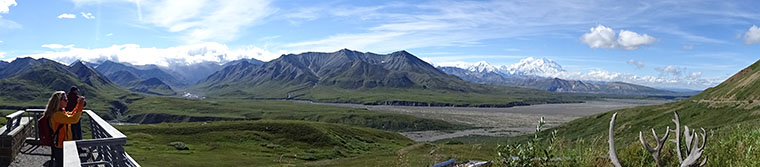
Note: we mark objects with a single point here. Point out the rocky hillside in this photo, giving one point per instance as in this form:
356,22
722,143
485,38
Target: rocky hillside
345,69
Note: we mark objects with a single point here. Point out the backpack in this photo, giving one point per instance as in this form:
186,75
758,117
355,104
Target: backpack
45,132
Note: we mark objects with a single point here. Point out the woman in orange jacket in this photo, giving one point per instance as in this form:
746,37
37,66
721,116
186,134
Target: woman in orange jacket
55,110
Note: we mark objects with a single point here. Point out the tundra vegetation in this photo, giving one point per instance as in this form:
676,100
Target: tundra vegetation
724,143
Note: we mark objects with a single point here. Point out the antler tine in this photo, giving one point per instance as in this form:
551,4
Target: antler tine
689,138
696,152
665,138
644,142
654,135
611,141
704,139
677,121
704,161
658,148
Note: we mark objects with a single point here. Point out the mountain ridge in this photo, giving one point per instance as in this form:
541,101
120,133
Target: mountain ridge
529,74
346,76
344,68
32,86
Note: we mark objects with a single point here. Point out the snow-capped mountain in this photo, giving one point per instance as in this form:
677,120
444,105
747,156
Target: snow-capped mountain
538,73
528,66
481,66
534,66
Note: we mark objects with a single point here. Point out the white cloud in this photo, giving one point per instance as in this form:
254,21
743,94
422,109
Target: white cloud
109,34
693,81
2,54
695,75
196,21
200,20
600,37
5,8
58,46
752,35
368,41
638,64
687,47
86,15
67,16
604,37
134,54
6,4
670,70
630,40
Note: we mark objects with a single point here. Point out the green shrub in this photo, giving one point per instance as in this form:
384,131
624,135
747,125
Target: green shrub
536,152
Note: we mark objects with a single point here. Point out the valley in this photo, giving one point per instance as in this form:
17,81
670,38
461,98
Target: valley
511,121
473,83
350,107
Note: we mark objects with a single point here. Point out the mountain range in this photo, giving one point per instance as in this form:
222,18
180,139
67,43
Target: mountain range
291,74
531,73
127,74
29,82
348,76
345,76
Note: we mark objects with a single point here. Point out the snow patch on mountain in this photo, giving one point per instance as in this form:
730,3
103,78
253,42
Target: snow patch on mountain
527,66
535,66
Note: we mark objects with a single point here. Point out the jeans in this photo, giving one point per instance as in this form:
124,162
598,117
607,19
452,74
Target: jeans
58,156
76,130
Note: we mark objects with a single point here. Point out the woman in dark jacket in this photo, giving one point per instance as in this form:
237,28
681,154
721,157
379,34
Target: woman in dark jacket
76,129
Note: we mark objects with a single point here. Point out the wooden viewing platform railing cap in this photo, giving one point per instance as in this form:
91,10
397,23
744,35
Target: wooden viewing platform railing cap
106,148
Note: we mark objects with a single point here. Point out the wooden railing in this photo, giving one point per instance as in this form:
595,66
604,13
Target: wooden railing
35,114
106,148
13,121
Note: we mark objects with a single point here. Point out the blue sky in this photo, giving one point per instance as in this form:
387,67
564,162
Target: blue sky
664,43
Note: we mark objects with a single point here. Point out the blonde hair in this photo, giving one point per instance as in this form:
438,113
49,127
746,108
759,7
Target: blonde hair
54,104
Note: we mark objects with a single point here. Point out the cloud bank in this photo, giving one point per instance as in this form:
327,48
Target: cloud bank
670,76
134,54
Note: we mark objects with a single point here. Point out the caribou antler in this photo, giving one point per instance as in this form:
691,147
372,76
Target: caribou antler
677,121
693,150
613,155
657,149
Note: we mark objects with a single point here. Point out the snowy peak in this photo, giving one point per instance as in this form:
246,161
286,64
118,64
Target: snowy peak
526,67
482,66
535,66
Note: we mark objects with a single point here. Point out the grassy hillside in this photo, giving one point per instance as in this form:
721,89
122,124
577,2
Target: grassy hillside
32,88
254,143
284,143
165,109
742,88
729,112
